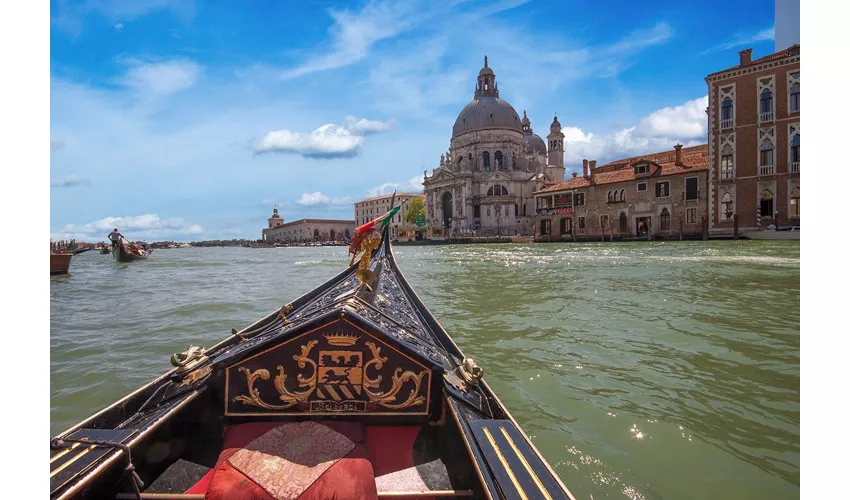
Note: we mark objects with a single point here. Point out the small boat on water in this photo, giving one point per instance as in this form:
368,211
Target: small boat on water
60,262
60,256
792,234
126,252
105,250
352,390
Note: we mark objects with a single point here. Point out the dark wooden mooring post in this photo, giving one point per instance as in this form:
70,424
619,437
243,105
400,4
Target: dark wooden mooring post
735,219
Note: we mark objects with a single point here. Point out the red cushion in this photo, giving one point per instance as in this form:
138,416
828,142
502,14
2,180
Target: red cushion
391,447
351,477
202,485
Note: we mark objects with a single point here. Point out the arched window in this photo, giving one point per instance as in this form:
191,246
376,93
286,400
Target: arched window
624,223
476,211
795,202
795,148
665,219
766,101
766,203
726,109
485,158
610,197
766,153
726,208
498,158
622,195
727,164
794,105
497,190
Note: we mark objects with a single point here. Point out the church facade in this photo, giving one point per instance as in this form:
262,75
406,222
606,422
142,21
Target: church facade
485,183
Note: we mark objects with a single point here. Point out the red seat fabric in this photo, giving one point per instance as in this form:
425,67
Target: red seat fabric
352,477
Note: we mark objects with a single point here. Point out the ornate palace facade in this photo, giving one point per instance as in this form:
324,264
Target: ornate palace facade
485,182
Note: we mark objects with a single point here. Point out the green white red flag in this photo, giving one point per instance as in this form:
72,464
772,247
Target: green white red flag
374,226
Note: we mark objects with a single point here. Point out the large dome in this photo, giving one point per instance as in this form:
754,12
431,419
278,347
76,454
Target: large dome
487,112
536,143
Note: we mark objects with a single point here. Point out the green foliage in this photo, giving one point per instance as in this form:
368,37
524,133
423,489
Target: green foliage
415,208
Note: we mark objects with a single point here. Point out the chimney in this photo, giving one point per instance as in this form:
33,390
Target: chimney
575,174
592,165
746,56
678,148
584,166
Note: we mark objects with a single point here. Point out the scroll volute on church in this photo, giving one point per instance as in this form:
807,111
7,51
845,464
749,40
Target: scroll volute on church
336,369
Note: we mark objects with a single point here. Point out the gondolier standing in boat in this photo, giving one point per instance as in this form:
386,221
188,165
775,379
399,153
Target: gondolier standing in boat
115,237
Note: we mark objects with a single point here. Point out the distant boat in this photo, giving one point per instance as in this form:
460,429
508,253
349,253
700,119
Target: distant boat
128,253
60,263
79,250
105,250
792,234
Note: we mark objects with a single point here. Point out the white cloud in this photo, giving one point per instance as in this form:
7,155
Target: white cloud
70,16
327,141
118,26
658,131
161,78
71,180
56,144
353,34
743,39
318,199
412,185
366,127
133,227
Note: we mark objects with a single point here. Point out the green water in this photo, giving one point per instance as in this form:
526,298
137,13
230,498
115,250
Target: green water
659,370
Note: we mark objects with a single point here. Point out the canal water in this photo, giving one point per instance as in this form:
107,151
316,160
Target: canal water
640,370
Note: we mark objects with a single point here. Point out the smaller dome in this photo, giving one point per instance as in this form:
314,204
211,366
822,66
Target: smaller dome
556,125
535,143
525,120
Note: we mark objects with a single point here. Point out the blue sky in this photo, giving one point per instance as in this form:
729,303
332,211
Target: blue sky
186,120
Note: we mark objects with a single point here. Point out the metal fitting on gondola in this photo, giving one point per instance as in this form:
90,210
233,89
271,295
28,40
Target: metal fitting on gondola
283,312
470,371
188,359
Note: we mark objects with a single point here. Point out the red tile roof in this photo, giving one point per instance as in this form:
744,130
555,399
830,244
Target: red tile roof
694,159
782,54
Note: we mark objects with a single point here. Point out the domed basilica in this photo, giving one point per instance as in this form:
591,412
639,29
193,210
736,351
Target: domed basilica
495,162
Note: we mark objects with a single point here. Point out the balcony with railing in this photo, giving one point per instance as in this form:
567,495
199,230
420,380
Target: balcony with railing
766,170
727,174
794,167
767,116
727,124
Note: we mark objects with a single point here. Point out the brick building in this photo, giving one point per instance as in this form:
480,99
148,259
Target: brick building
372,208
306,230
659,195
754,142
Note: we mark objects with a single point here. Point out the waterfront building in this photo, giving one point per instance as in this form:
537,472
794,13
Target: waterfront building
371,208
306,230
485,182
754,142
659,195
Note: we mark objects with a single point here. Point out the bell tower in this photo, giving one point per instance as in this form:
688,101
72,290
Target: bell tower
556,151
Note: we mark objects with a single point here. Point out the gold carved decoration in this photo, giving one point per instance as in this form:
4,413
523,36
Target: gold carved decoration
363,273
339,378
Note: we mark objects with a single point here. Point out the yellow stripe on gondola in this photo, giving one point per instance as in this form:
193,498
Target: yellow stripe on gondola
525,464
69,462
505,464
63,452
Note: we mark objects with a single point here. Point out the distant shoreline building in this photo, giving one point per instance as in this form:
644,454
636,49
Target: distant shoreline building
371,208
484,183
754,142
660,195
306,230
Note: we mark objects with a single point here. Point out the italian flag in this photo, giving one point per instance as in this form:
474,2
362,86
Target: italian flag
376,225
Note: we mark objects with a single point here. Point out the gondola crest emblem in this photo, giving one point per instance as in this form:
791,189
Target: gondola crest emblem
338,372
